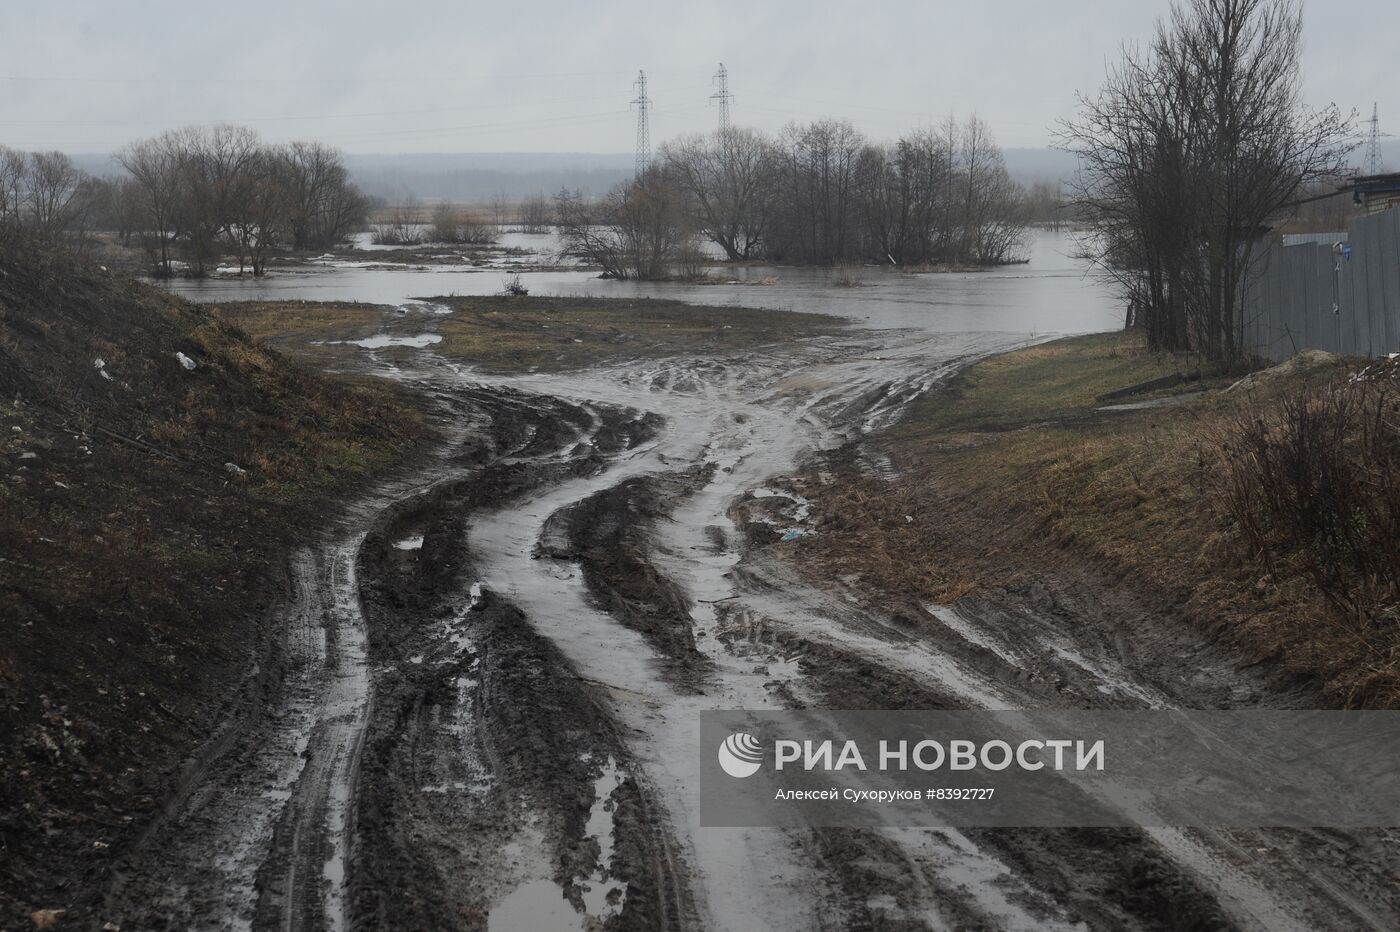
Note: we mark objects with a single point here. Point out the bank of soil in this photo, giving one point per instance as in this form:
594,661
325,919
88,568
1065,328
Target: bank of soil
155,468
525,333
1018,477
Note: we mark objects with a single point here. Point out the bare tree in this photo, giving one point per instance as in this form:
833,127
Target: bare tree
255,224
322,205
639,230
991,226
535,214
13,169
730,179
155,165
54,190
236,162
815,220
1188,151
209,189
500,209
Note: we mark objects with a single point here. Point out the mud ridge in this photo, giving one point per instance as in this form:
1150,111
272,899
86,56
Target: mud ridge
609,535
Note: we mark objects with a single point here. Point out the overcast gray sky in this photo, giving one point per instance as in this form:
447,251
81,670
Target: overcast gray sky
555,76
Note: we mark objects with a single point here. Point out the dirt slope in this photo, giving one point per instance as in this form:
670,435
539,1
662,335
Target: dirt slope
134,563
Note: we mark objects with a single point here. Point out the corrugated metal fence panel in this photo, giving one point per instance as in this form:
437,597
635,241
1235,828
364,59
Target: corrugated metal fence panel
1306,296
1354,304
1375,296
1389,248
1327,239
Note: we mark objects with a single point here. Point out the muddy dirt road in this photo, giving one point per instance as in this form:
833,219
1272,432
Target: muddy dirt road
484,711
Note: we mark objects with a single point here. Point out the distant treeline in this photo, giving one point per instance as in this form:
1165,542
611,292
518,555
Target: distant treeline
816,194
196,193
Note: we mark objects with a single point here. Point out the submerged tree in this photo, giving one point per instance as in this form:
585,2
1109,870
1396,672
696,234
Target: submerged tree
211,188
729,179
640,229
823,194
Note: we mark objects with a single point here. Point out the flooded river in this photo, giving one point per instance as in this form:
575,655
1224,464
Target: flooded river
1053,293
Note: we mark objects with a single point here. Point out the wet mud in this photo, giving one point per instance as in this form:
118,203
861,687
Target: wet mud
486,710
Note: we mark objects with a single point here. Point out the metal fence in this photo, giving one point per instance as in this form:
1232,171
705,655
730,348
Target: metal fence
1340,297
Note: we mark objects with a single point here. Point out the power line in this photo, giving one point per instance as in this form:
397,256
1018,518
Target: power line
643,105
722,95
341,80
204,121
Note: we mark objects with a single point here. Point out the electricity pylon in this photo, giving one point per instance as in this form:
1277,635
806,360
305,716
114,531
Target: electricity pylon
643,105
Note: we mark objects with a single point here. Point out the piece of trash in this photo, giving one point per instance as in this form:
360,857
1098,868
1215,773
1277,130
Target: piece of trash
577,340
233,469
99,363
61,485
794,534
29,455
47,918
908,519
185,361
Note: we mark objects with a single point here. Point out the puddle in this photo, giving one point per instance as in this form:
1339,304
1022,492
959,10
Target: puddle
538,905
383,340
603,897
535,906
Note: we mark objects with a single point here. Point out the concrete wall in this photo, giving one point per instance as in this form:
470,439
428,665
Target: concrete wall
1308,297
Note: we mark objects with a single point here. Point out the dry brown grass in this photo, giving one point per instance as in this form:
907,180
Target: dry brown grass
514,333
1015,458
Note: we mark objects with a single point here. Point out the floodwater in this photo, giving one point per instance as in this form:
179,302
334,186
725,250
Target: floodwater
1053,293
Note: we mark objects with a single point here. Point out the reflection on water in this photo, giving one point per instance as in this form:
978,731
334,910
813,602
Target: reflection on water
1050,294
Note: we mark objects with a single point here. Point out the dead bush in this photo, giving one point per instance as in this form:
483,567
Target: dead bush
846,275
1312,481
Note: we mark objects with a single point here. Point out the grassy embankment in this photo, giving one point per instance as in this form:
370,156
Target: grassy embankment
136,568
515,334
1016,461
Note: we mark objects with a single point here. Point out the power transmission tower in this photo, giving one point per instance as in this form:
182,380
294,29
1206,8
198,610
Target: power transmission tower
643,105
721,78
1373,147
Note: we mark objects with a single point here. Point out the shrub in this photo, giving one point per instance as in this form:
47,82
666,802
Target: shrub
1313,482
847,276
453,225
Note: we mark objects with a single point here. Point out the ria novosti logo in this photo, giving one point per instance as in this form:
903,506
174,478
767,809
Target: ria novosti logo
741,755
